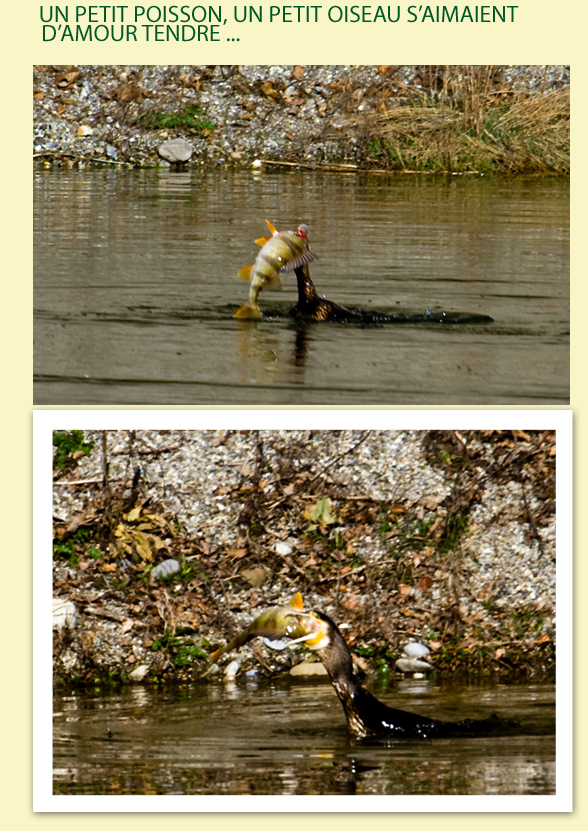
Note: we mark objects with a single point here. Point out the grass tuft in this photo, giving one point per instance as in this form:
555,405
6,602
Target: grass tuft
470,122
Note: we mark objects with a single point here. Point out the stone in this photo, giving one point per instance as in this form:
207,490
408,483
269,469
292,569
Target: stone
139,673
64,613
412,665
164,569
175,151
308,668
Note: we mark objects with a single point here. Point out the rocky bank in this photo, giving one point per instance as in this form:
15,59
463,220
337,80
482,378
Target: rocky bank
444,537
239,115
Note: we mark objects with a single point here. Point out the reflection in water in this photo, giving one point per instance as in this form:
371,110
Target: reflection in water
265,356
300,346
136,286
288,738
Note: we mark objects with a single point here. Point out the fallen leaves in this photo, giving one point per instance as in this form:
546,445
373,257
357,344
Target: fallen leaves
255,576
126,626
322,513
66,80
143,534
269,91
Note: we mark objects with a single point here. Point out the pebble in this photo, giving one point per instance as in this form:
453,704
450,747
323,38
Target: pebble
409,665
306,668
139,673
231,671
165,569
176,150
65,613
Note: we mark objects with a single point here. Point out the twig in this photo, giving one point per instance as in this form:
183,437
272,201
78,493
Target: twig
339,457
72,482
78,158
335,168
111,615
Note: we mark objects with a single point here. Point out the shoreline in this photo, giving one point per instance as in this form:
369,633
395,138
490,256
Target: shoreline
426,119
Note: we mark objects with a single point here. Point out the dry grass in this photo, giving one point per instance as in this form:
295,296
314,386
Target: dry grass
467,120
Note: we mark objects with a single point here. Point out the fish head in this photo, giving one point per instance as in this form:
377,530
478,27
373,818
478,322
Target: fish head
309,628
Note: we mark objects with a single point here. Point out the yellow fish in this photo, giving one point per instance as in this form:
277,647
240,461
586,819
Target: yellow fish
274,622
283,251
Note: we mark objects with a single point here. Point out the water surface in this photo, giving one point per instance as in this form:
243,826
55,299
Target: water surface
136,286
291,738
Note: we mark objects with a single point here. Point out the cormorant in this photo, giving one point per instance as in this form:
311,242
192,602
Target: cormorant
366,716
312,307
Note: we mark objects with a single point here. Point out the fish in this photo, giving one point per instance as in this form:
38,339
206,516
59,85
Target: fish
274,622
282,251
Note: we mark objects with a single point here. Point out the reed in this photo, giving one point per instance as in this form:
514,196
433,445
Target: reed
463,119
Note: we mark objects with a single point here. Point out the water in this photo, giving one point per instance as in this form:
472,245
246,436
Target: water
291,738
136,287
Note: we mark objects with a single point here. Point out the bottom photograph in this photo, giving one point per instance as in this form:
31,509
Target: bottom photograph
293,612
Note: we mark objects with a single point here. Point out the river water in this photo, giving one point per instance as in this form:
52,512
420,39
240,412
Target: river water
282,737
136,286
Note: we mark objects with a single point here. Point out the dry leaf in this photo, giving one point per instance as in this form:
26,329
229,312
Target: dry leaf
236,553
67,79
255,576
269,91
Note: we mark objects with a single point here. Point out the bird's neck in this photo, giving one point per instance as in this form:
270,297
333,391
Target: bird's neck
336,659
306,291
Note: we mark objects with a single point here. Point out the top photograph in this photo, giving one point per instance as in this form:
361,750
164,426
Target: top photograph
301,235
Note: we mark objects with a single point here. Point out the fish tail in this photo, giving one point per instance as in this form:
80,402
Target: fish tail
248,312
237,641
214,656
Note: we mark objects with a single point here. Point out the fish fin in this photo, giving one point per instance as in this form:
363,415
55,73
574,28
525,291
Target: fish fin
274,284
247,312
296,601
303,259
273,230
261,241
245,273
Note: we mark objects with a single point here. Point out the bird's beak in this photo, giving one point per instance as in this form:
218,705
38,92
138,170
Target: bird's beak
316,637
